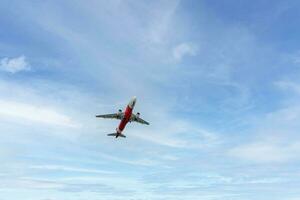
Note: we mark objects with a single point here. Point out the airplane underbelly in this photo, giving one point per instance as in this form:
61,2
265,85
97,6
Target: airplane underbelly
126,118
122,125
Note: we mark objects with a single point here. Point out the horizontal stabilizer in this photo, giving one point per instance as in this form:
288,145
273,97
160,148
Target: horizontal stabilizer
117,135
112,134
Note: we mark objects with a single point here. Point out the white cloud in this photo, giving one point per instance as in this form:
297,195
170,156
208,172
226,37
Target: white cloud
169,141
70,169
140,162
288,85
293,57
178,134
182,50
11,109
266,152
160,29
293,198
14,65
277,133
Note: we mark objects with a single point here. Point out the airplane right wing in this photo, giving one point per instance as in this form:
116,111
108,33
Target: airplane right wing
111,116
136,118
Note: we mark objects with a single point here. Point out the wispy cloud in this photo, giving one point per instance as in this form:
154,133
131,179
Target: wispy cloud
14,65
159,31
267,152
288,86
69,169
275,138
272,142
178,134
34,113
182,50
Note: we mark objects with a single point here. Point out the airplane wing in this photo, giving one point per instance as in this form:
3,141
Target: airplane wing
111,116
135,118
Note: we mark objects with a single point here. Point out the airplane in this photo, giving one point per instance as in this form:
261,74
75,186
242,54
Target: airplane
125,117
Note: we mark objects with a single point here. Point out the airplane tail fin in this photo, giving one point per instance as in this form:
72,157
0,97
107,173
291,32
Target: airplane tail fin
117,135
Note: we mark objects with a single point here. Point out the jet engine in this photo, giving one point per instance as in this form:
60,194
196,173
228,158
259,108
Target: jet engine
120,111
138,114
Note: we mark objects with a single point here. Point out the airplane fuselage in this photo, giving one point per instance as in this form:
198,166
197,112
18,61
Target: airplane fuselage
127,116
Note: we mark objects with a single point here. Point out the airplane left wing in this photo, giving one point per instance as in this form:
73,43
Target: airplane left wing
111,116
135,118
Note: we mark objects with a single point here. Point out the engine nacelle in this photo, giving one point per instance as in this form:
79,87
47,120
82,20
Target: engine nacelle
120,111
138,114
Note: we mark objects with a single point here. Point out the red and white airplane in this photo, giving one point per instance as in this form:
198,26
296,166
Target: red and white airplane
125,117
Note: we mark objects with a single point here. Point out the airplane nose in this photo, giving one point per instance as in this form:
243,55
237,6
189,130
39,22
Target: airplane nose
132,102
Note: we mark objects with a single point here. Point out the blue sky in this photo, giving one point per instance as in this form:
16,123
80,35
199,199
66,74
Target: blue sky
217,80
